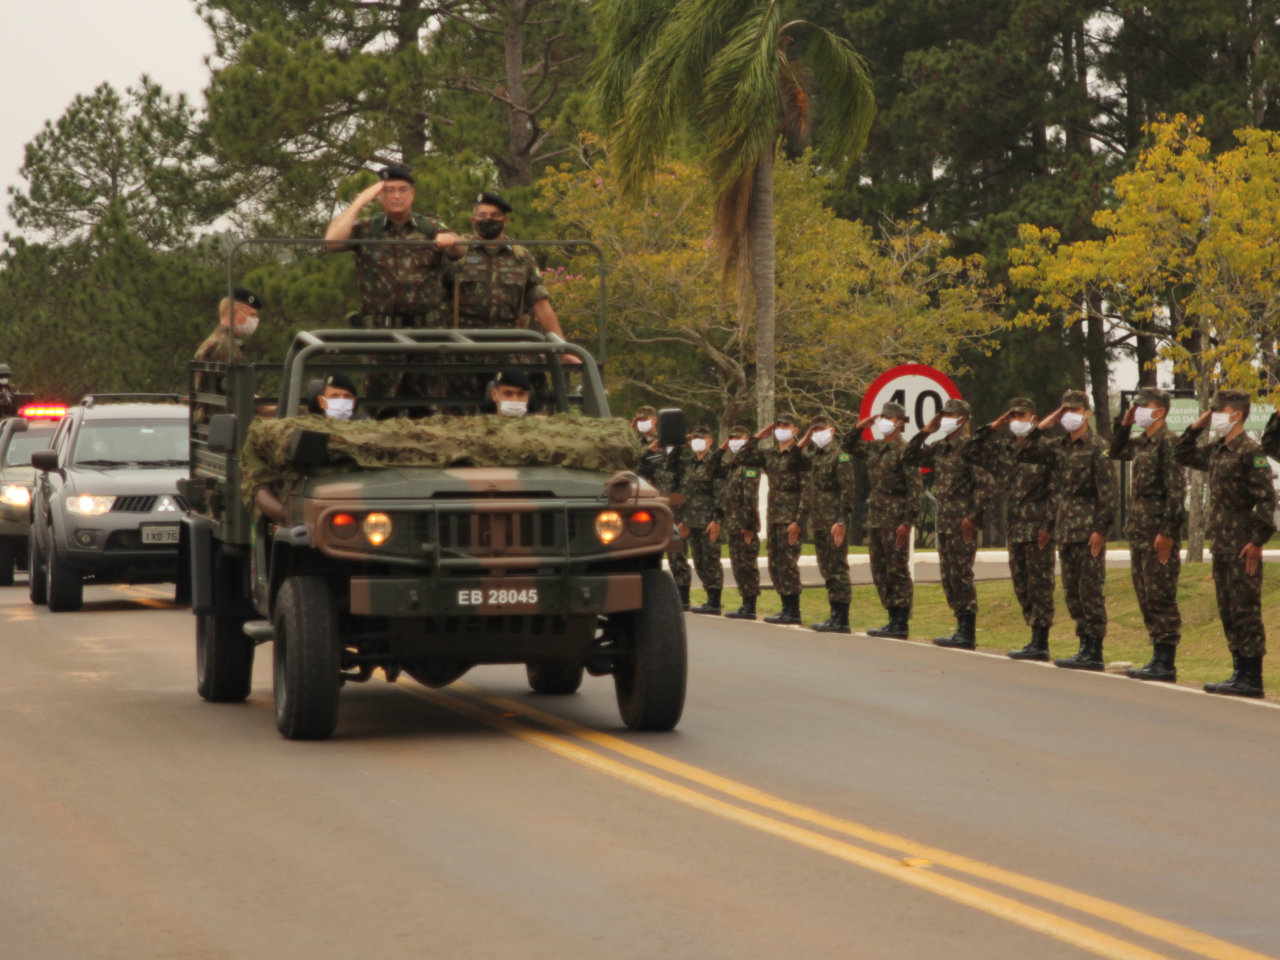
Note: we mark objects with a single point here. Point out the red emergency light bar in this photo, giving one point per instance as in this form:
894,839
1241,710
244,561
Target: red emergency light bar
42,411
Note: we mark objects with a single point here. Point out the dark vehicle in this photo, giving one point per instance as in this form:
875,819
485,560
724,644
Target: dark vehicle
377,548
20,436
105,507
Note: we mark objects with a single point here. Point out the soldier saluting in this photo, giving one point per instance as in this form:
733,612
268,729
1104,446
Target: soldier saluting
703,515
742,522
1242,504
826,509
665,470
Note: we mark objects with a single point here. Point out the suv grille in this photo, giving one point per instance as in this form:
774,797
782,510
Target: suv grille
144,504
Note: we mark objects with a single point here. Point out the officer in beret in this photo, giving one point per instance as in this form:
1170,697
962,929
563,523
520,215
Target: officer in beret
896,490
1157,509
963,490
509,392
237,320
338,397
1242,504
1020,459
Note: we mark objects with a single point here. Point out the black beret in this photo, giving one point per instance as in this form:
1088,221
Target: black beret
493,200
247,297
513,377
396,172
341,381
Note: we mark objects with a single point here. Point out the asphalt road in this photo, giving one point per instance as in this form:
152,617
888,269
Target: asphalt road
822,797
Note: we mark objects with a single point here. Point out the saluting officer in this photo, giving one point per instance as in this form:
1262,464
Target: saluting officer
826,509
664,469
704,515
1021,460
742,521
1242,504
963,490
1154,525
896,489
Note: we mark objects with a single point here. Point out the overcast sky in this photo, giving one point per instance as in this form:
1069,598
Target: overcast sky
53,52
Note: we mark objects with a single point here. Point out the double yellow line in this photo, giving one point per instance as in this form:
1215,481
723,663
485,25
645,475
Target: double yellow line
739,803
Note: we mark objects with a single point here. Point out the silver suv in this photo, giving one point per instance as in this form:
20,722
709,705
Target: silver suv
105,507
20,437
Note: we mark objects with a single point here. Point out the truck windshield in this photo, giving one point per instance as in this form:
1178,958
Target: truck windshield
132,442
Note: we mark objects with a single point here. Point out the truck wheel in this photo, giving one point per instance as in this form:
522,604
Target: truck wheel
307,673
35,572
64,586
6,563
224,659
549,676
650,681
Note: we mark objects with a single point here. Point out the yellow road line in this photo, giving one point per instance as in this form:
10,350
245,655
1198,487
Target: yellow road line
1174,934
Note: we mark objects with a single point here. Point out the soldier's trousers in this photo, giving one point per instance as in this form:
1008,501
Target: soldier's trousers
678,560
1084,581
1032,572
1239,605
706,559
744,559
955,558
833,563
889,568
784,561
1156,585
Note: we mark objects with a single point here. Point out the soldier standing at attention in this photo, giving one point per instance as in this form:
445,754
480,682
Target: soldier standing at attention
963,491
896,489
1241,519
664,469
1085,496
238,319
1022,460
1154,525
742,522
704,514
785,465
826,509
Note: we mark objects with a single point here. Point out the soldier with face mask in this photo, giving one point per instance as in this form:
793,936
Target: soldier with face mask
703,514
827,510
742,521
238,320
665,470
337,398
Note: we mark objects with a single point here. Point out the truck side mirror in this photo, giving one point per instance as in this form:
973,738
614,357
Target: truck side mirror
672,431
222,433
308,448
45,460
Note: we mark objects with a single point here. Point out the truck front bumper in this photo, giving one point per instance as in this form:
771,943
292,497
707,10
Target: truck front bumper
494,596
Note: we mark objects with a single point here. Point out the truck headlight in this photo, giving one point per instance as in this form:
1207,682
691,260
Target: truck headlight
15,495
377,528
609,526
86,505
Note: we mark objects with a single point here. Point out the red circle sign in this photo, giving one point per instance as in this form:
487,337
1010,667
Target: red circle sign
920,389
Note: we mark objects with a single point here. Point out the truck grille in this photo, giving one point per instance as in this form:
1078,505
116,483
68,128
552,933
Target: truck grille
495,534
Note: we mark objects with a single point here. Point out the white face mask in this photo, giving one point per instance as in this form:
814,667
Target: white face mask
822,437
883,427
1144,417
247,326
513,408
697,444
339,408
1072,421
1021,428
948,425
644,426
1221,423
737,443
782,434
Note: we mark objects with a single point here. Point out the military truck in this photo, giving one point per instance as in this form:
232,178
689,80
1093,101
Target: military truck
436,539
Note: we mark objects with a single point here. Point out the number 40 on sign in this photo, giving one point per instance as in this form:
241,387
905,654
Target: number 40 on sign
920,389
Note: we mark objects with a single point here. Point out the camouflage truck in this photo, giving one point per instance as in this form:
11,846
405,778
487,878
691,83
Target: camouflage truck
424,544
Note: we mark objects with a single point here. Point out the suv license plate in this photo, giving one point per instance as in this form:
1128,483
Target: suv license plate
167,533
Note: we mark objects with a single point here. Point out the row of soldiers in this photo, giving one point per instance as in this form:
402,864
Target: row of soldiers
1060,489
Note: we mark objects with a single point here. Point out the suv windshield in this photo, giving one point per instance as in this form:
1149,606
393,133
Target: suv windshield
106,443
22,445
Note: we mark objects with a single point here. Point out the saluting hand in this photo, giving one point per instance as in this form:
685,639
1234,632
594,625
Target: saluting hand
765,431
865,422
1130,416
1002,420
1202,421
1052,419
933,423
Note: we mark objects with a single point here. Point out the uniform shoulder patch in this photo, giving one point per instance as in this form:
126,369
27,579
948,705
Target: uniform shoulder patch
1261,462
751,473
845,457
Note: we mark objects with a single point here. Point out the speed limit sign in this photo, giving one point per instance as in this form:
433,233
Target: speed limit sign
920,389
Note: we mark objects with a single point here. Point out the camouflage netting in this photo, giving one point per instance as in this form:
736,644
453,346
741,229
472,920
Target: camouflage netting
564,440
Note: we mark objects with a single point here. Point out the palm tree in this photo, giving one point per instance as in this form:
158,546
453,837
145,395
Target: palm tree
725,70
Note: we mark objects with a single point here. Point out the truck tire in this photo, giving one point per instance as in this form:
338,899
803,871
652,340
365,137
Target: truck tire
307,660
224,659
554,677
6,563
650,682
35,572
64,586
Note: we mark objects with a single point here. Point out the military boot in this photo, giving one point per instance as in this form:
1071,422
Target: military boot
896,628
1245,682
713,602
1037,649
684,596
1161,666
745,612
838,622
790,612
964,637
1088,657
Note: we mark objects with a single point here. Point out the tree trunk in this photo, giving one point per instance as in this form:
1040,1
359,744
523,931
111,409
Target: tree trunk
519,165
1096,357
761,227
1196,487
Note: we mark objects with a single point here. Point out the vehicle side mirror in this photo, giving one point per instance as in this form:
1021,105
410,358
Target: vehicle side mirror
222,433
45,460
672,430
308,448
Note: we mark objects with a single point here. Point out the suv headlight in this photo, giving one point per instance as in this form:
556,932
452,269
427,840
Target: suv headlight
15,495
85,505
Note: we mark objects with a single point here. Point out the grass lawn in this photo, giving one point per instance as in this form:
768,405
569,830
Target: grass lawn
1202,654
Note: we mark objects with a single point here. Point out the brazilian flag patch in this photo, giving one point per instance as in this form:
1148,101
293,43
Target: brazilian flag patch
845,457
1260,462
751,474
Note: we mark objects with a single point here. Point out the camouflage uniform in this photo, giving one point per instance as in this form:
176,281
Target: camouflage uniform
401,285
218,347
1085,496
663,468
741,504
786,471
702,504
828,498
1158,493
493,286
896,489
